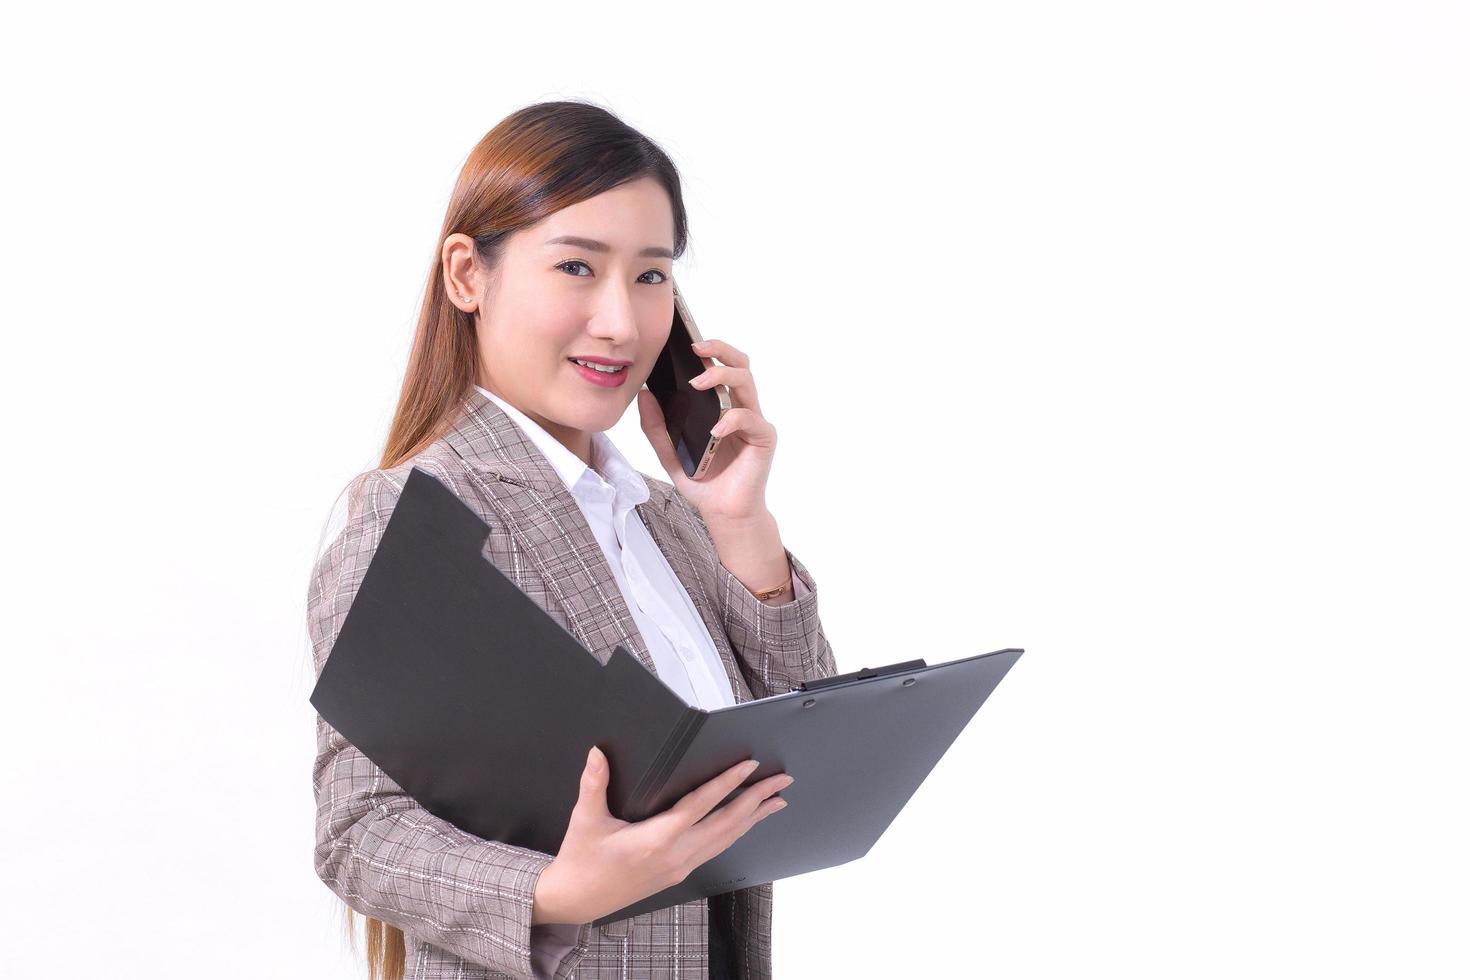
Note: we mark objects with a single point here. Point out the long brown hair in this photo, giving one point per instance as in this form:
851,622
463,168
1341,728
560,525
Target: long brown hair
535,162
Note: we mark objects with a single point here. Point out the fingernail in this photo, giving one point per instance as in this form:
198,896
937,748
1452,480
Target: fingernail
788,782
699,381
593,760
780,805
752,766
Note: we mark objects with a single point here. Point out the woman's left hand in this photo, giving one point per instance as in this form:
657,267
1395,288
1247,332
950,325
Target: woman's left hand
733,489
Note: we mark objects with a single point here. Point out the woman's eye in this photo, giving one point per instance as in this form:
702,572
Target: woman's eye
578,262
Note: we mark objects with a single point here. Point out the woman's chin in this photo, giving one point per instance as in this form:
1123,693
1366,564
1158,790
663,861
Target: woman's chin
595,418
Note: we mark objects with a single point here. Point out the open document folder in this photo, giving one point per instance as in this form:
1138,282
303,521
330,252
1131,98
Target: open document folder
482,707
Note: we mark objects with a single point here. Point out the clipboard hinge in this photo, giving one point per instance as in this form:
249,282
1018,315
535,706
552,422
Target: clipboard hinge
857,675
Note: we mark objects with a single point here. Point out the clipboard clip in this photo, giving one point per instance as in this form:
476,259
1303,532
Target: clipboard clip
857,675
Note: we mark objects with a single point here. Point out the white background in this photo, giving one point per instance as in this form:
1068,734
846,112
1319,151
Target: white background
1131,334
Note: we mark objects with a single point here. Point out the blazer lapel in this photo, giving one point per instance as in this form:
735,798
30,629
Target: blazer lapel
543,517
546,522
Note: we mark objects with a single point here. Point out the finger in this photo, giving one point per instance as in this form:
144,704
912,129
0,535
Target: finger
769,806
739,380
723,827
753,427
722,350
696,803
651,419
592,795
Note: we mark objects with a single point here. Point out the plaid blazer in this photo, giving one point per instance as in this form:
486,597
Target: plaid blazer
463,902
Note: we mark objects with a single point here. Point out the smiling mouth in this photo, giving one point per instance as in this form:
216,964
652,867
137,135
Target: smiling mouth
607,369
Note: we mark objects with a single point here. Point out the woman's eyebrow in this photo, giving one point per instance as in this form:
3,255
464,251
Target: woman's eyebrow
592,245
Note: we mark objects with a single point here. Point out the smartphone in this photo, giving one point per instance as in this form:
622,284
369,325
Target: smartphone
689,413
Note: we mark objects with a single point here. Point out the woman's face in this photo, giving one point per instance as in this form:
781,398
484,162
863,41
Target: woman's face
550,301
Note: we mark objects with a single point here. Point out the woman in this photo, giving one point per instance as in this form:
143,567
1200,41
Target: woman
558,249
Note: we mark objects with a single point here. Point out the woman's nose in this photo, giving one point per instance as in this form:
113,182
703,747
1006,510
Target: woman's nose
615,317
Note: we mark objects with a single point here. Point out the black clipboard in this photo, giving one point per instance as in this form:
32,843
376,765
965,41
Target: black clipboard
482,707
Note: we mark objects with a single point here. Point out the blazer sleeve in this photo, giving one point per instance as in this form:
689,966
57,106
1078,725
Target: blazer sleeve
779,646
380,851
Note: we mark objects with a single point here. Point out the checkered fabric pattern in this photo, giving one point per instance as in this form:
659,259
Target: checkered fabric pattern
463,902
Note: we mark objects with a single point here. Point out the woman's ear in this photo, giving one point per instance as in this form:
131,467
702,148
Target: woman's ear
461,272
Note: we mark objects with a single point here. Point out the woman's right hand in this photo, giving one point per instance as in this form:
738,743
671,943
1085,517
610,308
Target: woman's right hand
606,864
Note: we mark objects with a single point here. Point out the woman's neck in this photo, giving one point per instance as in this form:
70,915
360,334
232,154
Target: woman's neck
579,442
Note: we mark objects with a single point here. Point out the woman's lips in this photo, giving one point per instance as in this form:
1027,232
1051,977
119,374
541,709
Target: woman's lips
600,378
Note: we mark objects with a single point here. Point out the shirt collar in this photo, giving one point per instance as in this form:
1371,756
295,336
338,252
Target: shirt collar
607,462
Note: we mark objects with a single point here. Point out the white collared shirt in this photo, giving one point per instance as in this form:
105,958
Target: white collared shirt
683,653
